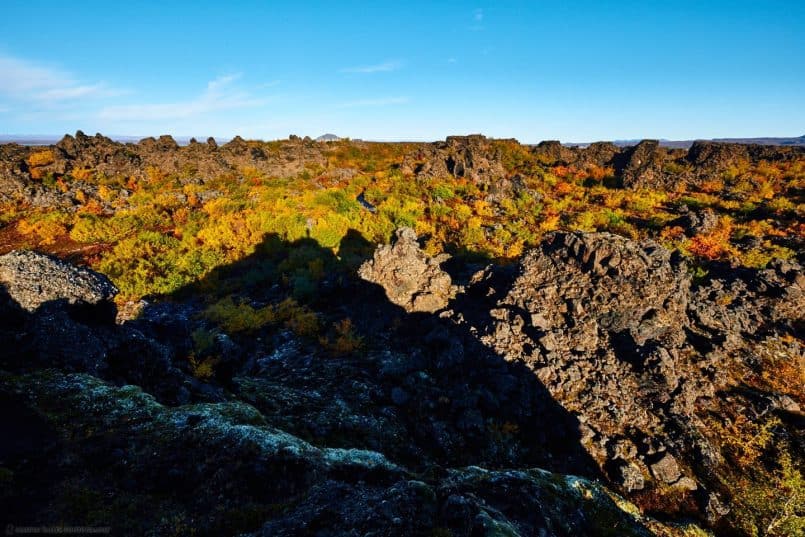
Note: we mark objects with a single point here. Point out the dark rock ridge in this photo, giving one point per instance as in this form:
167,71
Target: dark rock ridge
471,156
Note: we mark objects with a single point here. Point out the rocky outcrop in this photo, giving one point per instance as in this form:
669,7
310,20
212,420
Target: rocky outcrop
472,157
73,156
716,157
33,279
594,355
602,154
620,336
553,153
411,279
644,167
483,161
109,407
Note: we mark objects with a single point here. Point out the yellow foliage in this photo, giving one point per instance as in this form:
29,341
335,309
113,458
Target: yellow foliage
82,174
203,369
155,174
549,223
46,228
41,158
482,208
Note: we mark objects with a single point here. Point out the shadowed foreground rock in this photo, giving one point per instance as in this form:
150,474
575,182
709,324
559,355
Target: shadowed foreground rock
229,463
593,354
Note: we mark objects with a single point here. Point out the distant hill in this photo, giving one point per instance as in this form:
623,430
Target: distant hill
328,138
685,144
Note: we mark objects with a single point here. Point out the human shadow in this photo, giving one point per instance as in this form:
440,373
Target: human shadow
421,387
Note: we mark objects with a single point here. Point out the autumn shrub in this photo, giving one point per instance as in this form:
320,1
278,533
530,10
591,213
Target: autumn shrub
343,339
203,368
301,320
82,174
338,201
237,317
44,228
240,317
41,158
442,192
714,244
91,229
769,503
146,264
9,212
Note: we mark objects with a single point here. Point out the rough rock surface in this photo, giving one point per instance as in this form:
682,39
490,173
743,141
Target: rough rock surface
32,279
594,355
225,466
620,336
472,157
410,278
697,222
644,167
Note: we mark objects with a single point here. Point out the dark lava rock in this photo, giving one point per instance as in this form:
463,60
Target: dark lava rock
223,467
620,336
696,222
32,279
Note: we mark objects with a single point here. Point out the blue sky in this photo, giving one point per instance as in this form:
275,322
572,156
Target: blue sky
574,70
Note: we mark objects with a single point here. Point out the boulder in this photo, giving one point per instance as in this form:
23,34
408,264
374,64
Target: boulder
696,222
32,278
411,279
666,469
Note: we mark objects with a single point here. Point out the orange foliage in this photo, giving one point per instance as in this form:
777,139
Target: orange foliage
712,186
563,188
671,233
713,245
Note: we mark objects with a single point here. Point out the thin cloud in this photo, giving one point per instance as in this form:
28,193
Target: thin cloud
477,20
23,80
220,94
383,101
385,67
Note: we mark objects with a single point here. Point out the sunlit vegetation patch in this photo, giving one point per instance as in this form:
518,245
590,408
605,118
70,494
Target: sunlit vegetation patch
162,233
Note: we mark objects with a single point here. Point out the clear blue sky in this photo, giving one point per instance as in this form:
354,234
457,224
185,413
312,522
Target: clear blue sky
574,70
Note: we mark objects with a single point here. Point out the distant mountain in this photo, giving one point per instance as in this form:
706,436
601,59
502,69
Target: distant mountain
328,138
764,141
685,144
